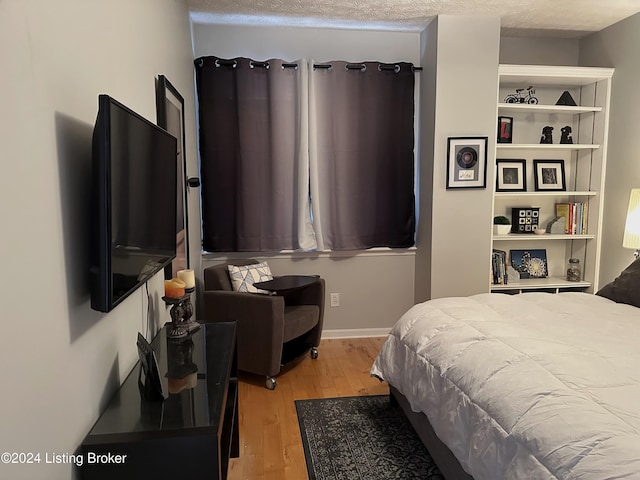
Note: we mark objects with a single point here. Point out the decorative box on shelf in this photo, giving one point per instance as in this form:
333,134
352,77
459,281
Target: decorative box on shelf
525,219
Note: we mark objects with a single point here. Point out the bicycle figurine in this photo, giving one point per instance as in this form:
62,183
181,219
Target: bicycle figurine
519,97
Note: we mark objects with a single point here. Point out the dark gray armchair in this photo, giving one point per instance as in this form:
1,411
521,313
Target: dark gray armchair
272,330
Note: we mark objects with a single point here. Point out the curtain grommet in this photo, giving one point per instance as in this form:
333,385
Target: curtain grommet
362,67
226,63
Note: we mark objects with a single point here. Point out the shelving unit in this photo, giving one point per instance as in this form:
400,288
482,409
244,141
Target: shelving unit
584,164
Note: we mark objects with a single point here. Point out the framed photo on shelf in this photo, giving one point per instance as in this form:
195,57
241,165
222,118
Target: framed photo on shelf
467,162
549,175
530,263
505,129
511,175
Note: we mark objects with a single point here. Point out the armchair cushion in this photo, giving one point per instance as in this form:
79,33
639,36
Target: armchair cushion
243,277
299,319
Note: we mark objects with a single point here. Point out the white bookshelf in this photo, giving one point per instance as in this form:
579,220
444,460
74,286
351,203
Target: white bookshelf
584,164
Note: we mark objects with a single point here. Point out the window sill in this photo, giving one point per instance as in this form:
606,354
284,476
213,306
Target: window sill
371,252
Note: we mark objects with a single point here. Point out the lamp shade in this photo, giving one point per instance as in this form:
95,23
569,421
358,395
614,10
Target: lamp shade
632,226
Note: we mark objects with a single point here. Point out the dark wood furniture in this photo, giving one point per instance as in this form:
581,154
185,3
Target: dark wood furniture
192,433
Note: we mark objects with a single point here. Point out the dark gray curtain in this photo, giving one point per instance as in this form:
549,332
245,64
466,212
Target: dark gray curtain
250,124
362,158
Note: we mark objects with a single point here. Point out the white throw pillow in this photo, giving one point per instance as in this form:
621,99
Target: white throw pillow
243,277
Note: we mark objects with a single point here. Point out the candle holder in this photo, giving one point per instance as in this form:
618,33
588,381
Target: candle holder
181,313
187,322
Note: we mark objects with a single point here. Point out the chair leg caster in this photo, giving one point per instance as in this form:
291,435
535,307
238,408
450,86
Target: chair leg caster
271,383
314,352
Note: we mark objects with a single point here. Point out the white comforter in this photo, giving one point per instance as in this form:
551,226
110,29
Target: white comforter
531,386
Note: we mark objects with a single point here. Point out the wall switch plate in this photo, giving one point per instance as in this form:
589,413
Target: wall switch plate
335,299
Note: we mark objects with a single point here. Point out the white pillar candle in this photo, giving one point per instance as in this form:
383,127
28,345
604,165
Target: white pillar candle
188,277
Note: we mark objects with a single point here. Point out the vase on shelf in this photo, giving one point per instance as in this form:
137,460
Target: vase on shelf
501,229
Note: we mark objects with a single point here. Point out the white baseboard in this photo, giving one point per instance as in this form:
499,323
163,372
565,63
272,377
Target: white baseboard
356,332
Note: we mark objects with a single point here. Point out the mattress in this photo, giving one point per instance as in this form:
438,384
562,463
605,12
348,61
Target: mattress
530,386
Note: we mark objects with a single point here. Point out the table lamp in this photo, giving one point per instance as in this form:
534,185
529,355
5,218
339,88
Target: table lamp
631,237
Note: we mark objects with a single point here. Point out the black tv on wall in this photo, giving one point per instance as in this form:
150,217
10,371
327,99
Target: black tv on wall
133,205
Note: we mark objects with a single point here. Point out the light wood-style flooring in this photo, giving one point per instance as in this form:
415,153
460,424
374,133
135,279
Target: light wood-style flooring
270,442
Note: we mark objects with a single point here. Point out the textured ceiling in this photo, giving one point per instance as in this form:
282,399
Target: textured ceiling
559,18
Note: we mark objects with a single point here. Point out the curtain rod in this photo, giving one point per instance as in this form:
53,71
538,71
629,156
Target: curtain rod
325,66
362,66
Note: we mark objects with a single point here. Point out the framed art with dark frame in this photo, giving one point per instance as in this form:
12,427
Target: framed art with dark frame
549,175
467,162
511,175
170,113
505,129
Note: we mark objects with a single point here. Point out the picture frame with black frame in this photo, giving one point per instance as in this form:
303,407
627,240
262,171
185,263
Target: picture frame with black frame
511,175
171,117
549,175
149,382
505,129
466,162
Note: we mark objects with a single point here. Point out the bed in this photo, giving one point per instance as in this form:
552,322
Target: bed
530,386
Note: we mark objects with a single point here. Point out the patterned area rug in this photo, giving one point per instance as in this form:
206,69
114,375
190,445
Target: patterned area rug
361,438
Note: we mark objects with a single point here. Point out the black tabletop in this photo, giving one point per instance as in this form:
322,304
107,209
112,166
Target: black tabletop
195,397
287,282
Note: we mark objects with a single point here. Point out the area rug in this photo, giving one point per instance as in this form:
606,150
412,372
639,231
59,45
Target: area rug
361,438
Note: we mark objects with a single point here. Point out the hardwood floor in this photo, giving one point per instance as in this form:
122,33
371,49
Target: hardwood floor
270,443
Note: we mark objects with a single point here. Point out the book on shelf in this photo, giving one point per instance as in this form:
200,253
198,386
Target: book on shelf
575,216
499,267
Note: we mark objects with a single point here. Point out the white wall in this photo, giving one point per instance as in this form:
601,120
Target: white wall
61,361
465,69
375,289
617,46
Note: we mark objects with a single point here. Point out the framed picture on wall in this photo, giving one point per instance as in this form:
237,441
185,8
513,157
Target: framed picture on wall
170,113
511,175
467,162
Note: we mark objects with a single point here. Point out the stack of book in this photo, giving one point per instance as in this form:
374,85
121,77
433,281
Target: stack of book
575,217
499,267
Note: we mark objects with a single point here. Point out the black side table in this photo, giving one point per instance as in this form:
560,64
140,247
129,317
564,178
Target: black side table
192,433
287,283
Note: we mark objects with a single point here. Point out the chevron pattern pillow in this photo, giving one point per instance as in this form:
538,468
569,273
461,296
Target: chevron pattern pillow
243,277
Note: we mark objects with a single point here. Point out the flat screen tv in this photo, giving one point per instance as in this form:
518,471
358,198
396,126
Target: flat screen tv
134,203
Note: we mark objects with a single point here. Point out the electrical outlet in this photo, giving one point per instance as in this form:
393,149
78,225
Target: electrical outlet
335,299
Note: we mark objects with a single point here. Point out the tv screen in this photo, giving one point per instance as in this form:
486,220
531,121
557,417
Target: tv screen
134,204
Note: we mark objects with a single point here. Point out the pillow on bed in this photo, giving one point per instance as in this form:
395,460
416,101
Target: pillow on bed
625,288
243,278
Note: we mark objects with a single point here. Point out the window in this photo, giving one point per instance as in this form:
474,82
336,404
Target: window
276,135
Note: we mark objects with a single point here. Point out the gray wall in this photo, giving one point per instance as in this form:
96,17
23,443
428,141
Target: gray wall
461,56
539,51
61,360
428,91
617,46
360,277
